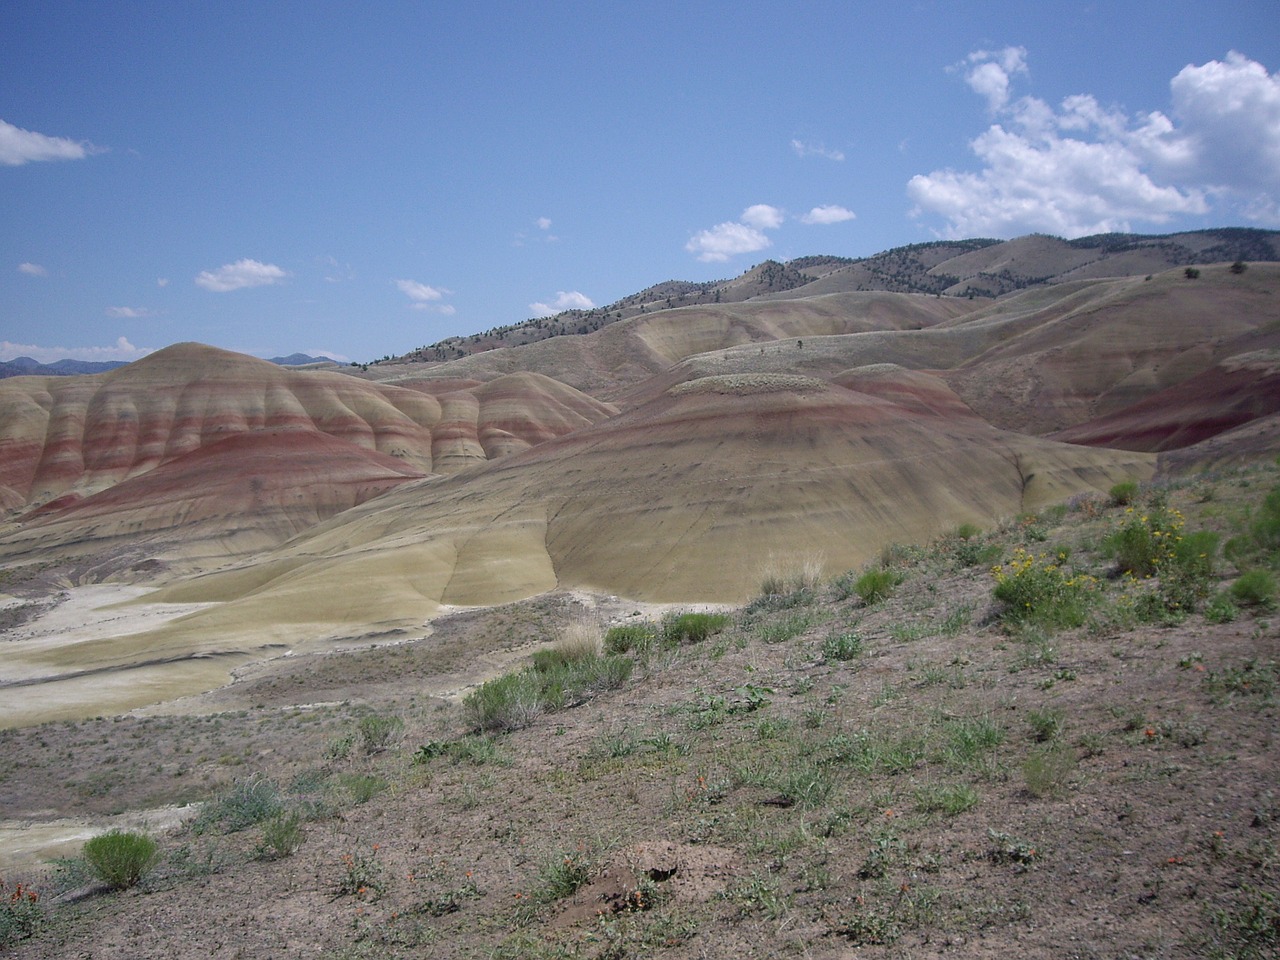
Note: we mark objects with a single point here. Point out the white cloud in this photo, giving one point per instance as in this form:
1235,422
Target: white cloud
162,281
239,275
32,270
121,350
423,296
830,213
129,313
745,235
990,72
762,217
1080,168
726,240
18,146
803,149
565,300
544,223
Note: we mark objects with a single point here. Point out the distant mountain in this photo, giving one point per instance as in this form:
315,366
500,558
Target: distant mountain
298,360
952,268
26,367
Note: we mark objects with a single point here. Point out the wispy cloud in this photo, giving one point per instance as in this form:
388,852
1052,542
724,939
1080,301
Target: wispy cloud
423,296
32,270
121,350
803,149
544,223
240,275
18,146
1081,168
830,213
564,300
129,313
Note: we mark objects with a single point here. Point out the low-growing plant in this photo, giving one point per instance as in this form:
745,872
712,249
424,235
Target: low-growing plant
561,876
1005,848
362,787
1221,608
876,584
948,798
121,858
21,913
840,647
1255,588
635,638
1047,771
248,802
377,732
681,628
282,836
1046,724
1123,493
515,700
360,875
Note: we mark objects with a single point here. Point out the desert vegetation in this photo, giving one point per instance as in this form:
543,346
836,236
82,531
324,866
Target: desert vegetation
1056,731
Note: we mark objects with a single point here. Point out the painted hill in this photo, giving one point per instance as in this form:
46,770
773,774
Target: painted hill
667,457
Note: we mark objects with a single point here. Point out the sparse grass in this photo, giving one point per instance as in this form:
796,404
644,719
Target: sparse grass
249,802
1048,770
840,647
557,680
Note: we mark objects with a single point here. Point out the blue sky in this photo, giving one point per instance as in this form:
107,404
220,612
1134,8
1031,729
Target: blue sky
362,179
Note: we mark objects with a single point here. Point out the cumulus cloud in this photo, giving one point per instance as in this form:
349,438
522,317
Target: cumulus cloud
1079,168
744,235
989,73
423,296
239,275
564,300
18,146
762,217
122,349
830,213
32,270
803,149
726,240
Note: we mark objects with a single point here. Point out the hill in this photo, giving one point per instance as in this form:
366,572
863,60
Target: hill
965,268
665,458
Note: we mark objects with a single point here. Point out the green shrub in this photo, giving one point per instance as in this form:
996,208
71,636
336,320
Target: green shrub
515,700
282,836
378,732
876,585
509,702
1124,493
1036,590
1255,588
692,627
631,638
121,859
